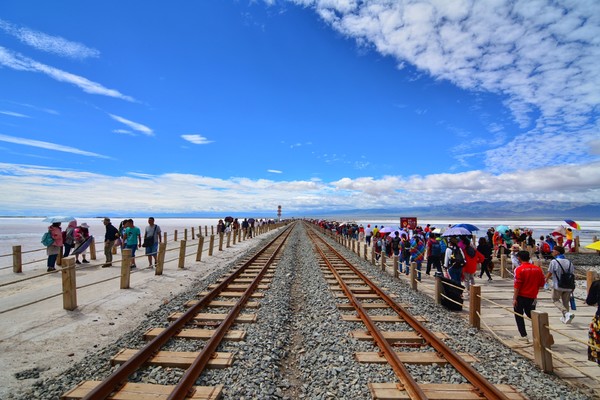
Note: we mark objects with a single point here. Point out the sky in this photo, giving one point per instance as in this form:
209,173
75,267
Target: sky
311,105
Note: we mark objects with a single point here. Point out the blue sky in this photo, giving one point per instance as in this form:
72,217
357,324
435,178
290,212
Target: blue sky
221,105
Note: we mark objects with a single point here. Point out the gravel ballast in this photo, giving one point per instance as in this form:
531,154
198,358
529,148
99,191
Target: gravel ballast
300,349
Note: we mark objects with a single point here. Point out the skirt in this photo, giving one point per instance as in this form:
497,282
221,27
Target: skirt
594,340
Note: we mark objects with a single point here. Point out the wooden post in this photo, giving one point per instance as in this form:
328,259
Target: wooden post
228,239
366,251
125,268
160,265
211,245
372,257
503,270
383,261
60,256
221,241
413,275
234,236
542,340
437,295
240,235
182,245
200,248
185,234
577,244
17,259
193,235
358,249
165,237
205,230
352,243
69,284
93,249
475,306
175,235
395,266
212,230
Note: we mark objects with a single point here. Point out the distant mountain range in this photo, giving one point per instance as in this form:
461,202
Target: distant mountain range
480,209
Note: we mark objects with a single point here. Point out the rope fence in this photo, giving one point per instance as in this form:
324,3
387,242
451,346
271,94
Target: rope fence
69,267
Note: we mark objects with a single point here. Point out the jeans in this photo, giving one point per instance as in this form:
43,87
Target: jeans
455,274
524,305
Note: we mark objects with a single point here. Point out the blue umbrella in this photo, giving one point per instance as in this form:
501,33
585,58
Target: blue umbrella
456,231
502,228
470,227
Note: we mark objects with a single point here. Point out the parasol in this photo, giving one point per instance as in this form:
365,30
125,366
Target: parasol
594,246
469,227
60,218
502,228
560,231
228,219
83,246
573,224
250,220
456,231
387,229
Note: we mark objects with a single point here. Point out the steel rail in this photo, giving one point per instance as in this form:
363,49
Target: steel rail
119,377
480,383
186,383
408,382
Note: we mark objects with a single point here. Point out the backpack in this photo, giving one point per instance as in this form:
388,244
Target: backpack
436,249
457,260
471,251
47,239
566,279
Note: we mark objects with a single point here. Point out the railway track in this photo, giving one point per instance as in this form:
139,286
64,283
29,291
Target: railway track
363,295
234,292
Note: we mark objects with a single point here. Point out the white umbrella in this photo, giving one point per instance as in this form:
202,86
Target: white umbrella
61,218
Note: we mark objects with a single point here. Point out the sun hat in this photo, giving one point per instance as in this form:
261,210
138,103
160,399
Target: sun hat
84,225
515,247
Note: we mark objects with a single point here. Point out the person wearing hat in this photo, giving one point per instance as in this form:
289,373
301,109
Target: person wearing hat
111,235
82,232
514,249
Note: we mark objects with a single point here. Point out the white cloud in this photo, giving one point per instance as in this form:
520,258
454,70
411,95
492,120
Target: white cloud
541,56
20,62
133,125
48,43
123,132
14,114
275,171
174,192
196,139
48,146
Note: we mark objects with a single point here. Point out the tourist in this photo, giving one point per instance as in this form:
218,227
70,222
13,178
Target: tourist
82,233
569,241
484,248
368,234
152,237
560,295
454,260
593,298
472,258
133,239
529,278
434,254
417,253
111,235
513,256
69,238
54,249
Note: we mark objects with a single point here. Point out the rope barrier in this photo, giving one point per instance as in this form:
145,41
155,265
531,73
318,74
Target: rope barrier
557,355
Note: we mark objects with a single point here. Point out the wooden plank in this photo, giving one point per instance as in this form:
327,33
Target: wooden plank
413,357
348,306
235,294
239,286
364,296
176,359
200,334
380,318
144,391
219,303
434,391
395,336
240,319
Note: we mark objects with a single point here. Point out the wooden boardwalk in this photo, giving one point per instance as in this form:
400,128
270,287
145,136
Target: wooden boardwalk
570,340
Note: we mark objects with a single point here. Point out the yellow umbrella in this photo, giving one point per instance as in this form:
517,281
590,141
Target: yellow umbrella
594,246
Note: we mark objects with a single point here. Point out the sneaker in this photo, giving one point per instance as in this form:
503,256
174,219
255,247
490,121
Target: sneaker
489,280
133,266
563,320
85,261
77,262
50,269
569,317
523,339
106,265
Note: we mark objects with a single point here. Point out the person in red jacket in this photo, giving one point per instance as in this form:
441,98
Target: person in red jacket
472,258
529,279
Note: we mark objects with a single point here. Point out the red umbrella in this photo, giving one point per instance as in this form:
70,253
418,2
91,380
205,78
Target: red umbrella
560,231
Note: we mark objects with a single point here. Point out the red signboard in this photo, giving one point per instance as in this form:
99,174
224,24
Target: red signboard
408,222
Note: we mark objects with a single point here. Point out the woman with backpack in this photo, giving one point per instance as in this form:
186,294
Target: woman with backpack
69,237
454,260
